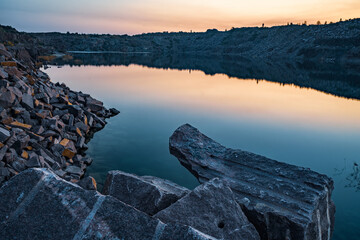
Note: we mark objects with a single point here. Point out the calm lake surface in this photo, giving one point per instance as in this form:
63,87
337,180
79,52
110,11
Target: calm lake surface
295,125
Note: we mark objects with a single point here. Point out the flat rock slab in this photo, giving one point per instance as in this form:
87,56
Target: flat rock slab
36,204
281,200
212,209
148,194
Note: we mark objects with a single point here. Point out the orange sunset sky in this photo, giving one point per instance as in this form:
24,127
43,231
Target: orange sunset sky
138,16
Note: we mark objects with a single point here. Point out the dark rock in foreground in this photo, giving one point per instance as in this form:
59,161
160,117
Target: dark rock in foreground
212,209
148,194
37,204
281,200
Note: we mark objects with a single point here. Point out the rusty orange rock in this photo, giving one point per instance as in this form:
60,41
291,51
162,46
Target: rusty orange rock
9,64
68,153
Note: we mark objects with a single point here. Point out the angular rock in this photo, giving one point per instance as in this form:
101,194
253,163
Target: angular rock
3,74
212,209
51,208
27,101
149,195
281,200
88,183
4,134
74,170
7,99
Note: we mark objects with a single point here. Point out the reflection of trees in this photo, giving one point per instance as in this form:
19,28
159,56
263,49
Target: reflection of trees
333,78
353,177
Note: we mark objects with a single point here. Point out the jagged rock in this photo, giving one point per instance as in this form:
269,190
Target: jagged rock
149,195
47,207
282,201
212,209
114,111
74,170
3,74
7,99
4,134
27,101
94,104
88,183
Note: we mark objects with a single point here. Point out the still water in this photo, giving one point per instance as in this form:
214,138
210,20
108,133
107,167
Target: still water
296,125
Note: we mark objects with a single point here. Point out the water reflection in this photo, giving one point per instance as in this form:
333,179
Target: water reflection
334,78
296,125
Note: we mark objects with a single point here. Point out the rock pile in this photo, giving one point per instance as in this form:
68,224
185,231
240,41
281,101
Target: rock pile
43,124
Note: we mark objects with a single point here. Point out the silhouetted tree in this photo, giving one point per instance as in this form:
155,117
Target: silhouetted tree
318,23
263,25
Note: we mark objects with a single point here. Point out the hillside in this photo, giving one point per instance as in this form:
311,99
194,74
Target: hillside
332,42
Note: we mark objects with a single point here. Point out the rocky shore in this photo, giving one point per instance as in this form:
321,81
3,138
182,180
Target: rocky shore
43,124
243,196
44,128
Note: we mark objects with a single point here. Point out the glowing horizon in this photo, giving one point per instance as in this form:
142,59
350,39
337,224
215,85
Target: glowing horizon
141,16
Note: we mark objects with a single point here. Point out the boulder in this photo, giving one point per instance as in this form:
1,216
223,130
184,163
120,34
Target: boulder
48,207
212,209
148,194
281,200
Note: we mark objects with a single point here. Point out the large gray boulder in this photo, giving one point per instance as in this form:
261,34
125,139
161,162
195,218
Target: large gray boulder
282,201
36,204
211,208
148,194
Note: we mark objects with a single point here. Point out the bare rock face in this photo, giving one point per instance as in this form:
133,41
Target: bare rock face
281,200
48,207
212,209
148,194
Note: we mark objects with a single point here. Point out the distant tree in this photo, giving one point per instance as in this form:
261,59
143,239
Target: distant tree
318,23
340,19
263,25
305,23
325,22
330,22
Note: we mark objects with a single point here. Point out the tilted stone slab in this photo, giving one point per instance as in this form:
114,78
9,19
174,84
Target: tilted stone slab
148,194
282,201
212,209
36,204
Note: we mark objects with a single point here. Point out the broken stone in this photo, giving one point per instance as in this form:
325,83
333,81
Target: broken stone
87,183
74,170
7,99
149,196
212,209
3,74
68,153
27,101
20,125
4,134
281,200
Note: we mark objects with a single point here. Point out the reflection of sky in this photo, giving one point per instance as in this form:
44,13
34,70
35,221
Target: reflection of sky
137,16
219,95
290,124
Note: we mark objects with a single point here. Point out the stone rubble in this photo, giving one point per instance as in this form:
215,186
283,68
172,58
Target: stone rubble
43,124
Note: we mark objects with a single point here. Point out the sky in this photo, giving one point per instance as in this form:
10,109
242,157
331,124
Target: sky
139,16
